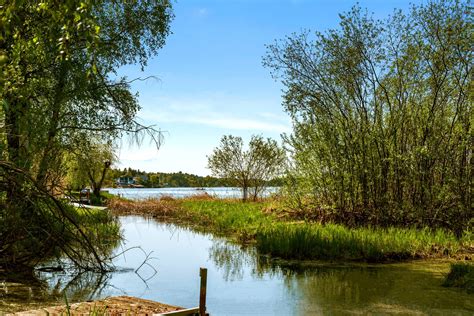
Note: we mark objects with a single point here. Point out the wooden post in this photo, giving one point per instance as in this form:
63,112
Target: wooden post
202,292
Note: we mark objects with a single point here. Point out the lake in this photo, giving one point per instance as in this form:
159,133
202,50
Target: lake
219,192
241,282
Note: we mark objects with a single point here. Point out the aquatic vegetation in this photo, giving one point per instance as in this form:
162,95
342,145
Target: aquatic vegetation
331,241
226,215
149,207
283,237
100,225
462,276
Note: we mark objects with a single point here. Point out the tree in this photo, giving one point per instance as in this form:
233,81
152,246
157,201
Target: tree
58,75
89,165
382,115
250,169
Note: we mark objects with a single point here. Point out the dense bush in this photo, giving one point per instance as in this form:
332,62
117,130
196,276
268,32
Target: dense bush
382,117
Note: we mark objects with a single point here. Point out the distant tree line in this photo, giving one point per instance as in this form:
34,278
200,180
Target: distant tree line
174,179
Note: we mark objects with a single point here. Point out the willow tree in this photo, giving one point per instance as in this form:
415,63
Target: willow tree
250,169
382,115
89,164
59,62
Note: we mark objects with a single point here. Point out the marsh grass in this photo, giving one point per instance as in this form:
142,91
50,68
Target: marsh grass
100,225
149,207
282,237
462,276
331,241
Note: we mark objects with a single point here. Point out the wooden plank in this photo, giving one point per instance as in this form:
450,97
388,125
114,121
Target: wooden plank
182,312
202,294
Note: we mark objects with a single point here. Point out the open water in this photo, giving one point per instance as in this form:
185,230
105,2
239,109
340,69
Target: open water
242,282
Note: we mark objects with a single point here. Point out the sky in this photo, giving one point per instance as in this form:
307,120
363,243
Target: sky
210,79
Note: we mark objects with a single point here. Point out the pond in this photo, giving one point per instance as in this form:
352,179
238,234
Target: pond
219,192
240,282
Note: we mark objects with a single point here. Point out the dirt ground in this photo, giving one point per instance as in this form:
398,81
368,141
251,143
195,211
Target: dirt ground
112,306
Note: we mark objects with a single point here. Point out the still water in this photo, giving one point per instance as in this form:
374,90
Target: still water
240,282
219,192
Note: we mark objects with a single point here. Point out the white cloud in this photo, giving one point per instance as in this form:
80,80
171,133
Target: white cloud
211,111
195,124
202,12
240,124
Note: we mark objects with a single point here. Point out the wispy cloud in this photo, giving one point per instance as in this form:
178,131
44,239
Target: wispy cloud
215,112
240,124
201,12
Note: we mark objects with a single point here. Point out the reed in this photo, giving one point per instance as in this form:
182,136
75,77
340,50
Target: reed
462,276
149,207
282,236
231,217
331,241
99,225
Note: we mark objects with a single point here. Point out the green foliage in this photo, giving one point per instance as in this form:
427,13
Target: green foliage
382,115
99,225
252,168
88,165
461,275
59,87
46,227
300,240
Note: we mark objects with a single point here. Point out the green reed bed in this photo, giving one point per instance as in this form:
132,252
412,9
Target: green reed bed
226,216
330,241
301,240
281,237
462,276
99,225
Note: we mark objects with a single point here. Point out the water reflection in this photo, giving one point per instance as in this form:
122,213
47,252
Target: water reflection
45,288
240,281
320,288
233,260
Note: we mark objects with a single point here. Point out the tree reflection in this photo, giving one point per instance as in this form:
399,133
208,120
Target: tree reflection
325,287
20,291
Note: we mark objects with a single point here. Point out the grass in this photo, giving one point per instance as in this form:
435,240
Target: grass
99,225
248,222
330,241
231,218
462,276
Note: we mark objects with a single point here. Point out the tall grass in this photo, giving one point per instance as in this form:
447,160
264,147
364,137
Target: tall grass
301,240
461,275
226,216
330,241
100,225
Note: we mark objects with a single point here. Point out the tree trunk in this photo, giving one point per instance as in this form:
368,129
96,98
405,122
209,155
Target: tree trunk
245,193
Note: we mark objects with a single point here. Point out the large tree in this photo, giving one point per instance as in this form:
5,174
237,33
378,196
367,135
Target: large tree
382,115
59,61
250,169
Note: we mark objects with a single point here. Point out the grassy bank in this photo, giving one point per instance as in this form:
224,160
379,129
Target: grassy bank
248,222
99,225
329,241
462,276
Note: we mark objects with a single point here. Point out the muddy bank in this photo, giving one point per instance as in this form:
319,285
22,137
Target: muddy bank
120,305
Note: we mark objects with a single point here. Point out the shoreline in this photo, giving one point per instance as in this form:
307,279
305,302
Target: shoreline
116,305
253,223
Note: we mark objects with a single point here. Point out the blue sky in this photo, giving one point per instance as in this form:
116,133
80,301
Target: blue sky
211,81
